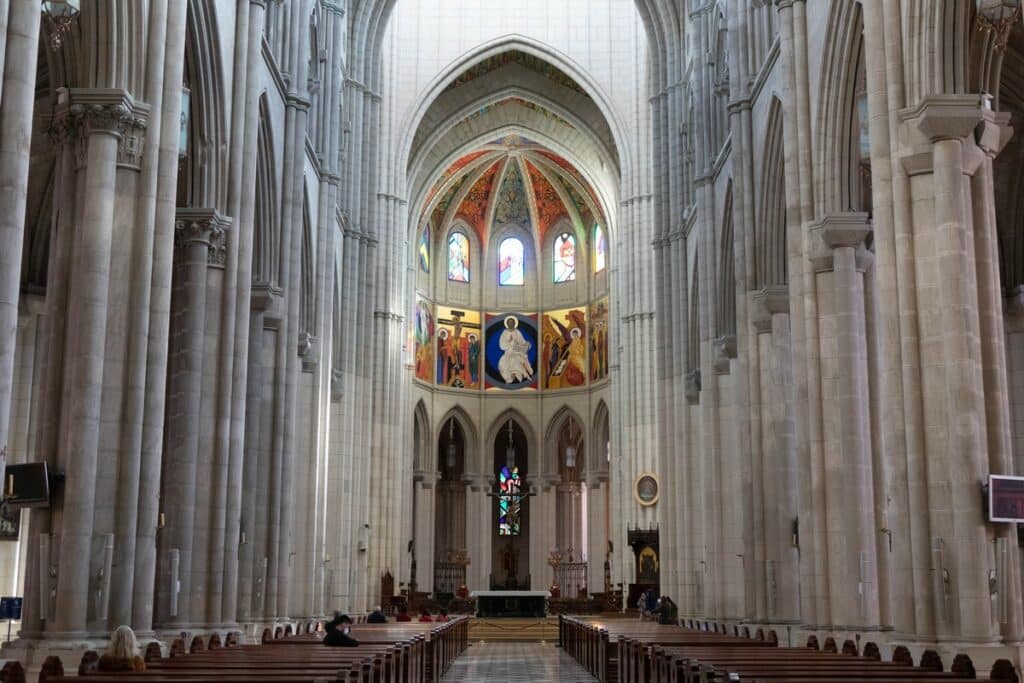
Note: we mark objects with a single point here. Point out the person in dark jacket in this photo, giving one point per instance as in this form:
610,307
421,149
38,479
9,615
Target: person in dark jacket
338,632
668,613
376,617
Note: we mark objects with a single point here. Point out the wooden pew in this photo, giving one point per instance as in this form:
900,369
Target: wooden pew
641,652
388,653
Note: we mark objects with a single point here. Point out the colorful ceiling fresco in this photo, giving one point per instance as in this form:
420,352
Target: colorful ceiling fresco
504,189
511,205
549,205
473,208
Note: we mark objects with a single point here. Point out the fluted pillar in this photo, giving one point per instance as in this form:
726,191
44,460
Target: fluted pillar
425,486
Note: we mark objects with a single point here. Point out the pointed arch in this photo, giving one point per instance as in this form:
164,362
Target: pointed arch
770,234
600,440
266,253
307,289
838,182
469,432
497,425
551,457
727,271
421,441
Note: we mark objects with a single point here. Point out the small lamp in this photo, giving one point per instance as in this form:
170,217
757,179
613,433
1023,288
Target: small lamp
451,451
510,451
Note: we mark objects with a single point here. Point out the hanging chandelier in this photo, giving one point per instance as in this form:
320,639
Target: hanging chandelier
61,15
570,450
510,450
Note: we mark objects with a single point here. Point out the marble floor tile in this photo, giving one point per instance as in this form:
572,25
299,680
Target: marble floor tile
516,663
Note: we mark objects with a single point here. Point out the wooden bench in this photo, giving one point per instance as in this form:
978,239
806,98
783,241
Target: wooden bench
637,652
387,653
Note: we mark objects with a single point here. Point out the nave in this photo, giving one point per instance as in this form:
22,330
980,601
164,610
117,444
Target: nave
516,662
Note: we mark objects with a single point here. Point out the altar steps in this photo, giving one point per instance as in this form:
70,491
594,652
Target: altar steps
513,630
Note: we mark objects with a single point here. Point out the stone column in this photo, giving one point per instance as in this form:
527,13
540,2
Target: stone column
939,135
19,87
478,532
597,533
108,122
199,235
992,135
840,259
424,521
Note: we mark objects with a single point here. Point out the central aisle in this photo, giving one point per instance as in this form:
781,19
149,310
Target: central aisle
516,663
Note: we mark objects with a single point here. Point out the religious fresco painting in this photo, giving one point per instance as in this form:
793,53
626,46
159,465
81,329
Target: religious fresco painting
459,348
599,325
423,339
510,358
564,349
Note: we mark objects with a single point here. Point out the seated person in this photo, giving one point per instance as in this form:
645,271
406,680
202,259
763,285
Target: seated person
403,614
338,632
668,613
442,616
122,654
376,617
425,617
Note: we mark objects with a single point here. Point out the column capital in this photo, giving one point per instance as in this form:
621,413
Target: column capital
203,226
947,117
83,112
724,349
837,231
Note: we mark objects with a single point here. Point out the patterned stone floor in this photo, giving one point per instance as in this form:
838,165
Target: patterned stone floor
516,663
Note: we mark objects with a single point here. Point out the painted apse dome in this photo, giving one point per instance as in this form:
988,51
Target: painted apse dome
511,268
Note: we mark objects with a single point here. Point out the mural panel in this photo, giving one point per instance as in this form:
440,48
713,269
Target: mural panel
511,351
459,347
599,326
423,339
564,357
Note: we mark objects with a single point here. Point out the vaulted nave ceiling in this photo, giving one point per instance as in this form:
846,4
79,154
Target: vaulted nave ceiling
510,118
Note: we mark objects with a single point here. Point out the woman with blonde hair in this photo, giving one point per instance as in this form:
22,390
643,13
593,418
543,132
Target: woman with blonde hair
123,652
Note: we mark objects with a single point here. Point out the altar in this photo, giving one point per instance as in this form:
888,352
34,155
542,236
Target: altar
511,603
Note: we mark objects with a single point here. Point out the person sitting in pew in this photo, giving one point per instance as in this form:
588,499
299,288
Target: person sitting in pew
668,612
442,616
338,632
403,614
376,617
122,654
425,617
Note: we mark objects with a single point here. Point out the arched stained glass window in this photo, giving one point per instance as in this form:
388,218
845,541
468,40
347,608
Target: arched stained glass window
600,249
423,250
458,257
510,262
565,258
509,502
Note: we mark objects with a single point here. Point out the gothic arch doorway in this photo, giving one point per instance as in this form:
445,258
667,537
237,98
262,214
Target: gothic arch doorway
510,528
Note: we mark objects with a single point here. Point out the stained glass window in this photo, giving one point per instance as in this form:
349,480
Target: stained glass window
424,249
565,258
510,262
509,502
458,257
600,249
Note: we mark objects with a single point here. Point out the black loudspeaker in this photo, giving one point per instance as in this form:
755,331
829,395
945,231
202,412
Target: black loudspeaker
27,486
